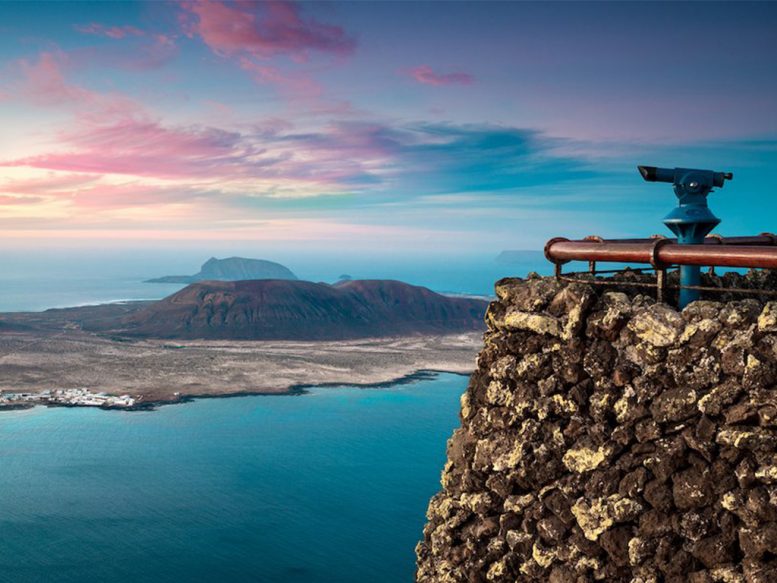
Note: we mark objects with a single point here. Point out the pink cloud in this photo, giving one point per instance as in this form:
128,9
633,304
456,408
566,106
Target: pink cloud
53,183
215,159
424,74
148,52
141,147
252,32
115,32
132,195
304,96
295,84
262,29
43,82
91,191
19,200
113,134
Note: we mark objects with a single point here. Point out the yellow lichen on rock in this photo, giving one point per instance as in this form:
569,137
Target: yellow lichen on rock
518,503
539,323
564,405
727,575
702,329
574,322
544,557
476,502
465,405
658,325
498,394
729,501
752,362
496,570
593,520
747,438
767,474
446,474
516,537
602,513
585,459
509,459
767,321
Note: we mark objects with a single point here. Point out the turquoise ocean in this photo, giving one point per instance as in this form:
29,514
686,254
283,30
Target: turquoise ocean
327,486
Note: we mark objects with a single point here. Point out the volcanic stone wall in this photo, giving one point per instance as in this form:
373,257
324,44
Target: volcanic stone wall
608,437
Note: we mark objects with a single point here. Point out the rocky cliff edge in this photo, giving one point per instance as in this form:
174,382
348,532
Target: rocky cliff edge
605,437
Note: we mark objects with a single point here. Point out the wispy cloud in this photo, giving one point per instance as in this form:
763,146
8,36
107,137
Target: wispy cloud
47,184
143,147
423,158
116,160
6,200
294,84
426,75
42,82
114,32
262,29
141,49
355,157
140,53
272,41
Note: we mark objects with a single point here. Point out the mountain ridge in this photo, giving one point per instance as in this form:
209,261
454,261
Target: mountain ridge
300,310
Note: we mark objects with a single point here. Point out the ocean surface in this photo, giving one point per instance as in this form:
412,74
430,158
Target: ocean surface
329,486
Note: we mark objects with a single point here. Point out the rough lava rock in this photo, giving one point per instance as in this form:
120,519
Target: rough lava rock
607,437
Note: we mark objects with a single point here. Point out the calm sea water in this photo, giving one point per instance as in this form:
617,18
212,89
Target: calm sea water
330,486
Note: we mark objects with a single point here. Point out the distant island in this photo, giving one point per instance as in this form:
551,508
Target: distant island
303,310
231,269
269,309
224,338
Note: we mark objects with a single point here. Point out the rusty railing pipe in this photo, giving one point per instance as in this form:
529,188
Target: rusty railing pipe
662,253
764,239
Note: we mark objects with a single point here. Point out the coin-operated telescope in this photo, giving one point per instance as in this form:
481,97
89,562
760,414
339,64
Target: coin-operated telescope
692,220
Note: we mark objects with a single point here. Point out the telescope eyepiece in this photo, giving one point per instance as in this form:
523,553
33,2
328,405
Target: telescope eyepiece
648,172
654,174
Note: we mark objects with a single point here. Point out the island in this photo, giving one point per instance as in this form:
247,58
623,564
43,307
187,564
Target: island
215,339
300,310
231,269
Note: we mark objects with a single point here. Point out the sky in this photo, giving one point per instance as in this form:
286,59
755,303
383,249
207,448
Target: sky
415,127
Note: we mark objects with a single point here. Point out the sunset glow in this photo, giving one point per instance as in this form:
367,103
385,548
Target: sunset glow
461,124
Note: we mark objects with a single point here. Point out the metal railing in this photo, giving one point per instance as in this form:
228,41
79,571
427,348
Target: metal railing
662,254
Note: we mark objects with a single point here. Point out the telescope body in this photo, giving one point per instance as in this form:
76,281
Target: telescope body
691,220
684,175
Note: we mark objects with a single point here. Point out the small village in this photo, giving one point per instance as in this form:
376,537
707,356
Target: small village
67,398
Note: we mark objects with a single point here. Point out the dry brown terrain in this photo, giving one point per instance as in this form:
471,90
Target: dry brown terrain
34,360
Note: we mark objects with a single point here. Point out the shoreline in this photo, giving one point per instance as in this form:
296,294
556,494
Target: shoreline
293,390
78,367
